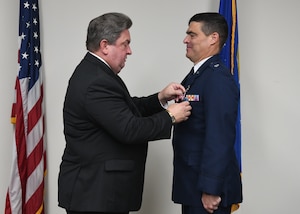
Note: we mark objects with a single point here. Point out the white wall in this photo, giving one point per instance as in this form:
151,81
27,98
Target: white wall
269,46
270,76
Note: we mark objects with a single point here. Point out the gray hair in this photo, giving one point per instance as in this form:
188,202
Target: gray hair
108,26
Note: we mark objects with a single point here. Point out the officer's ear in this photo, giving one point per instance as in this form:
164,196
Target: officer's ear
214,38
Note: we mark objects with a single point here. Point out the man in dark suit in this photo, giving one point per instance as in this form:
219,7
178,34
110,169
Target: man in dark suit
106,130
206,173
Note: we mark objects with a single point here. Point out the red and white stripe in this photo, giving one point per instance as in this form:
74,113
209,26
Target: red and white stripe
26,190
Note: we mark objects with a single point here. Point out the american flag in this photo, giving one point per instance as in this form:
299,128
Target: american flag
25,193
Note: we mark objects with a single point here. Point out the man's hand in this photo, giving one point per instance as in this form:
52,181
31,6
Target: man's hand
210,202
171,92
181,111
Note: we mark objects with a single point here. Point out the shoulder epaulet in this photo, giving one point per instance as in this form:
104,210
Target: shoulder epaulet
217,66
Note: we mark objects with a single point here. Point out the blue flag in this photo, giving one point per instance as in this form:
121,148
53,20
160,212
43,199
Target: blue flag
230,56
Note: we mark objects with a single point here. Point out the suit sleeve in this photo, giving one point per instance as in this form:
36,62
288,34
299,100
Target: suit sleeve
112,108
220,104
148,105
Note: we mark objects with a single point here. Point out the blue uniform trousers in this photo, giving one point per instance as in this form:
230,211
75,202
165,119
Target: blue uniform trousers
201,210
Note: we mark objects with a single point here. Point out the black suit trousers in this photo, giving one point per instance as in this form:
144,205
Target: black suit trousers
72,212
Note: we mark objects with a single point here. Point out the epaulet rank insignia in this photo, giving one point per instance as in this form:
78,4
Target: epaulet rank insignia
216,66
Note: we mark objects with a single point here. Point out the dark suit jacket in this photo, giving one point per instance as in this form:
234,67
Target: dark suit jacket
106,132
204,155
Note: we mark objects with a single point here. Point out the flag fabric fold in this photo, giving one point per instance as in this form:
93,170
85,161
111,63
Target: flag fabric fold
230,56
25,193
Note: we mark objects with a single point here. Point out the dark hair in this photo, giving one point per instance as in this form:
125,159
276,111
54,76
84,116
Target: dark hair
212,22
108,26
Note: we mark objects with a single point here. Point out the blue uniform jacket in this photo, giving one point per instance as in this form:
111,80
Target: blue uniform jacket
204,155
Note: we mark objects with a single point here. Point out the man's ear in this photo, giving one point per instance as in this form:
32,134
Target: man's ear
215,37
104,46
